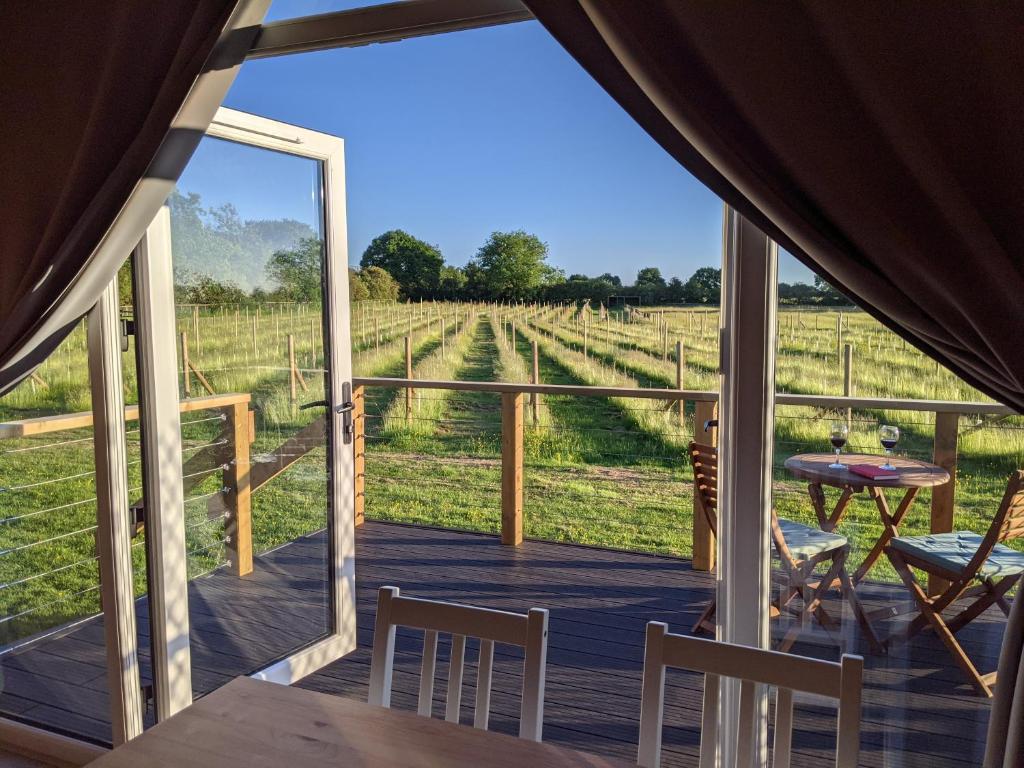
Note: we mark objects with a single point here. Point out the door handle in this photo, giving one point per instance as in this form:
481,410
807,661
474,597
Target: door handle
345,409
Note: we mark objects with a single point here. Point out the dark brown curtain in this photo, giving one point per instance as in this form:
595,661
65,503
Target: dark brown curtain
880,143
88,90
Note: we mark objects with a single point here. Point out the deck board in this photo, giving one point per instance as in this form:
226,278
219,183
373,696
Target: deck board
916,702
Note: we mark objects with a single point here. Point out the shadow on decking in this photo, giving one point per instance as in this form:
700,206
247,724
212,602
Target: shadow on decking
915,701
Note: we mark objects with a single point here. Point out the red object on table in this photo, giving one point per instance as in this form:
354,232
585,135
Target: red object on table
874,473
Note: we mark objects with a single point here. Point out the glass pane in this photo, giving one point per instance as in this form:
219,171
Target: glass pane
920,707
52,653
247,246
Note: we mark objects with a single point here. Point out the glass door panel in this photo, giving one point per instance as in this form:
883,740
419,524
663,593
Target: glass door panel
252,295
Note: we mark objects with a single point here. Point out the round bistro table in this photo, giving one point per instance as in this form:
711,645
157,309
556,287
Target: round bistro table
913,475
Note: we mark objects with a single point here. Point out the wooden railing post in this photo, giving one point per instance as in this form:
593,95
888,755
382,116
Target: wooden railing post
512,468
238,525
947,426
535,379
703,538
359,451
408,375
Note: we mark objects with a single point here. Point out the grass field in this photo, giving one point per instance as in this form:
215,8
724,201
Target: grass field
604,471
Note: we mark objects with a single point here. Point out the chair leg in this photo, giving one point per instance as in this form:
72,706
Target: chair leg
850,593
934,618
974,610
812,605
706,621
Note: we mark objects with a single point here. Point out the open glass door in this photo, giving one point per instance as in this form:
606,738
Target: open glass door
258,245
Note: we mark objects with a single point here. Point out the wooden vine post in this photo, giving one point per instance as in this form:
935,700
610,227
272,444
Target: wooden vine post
408,374
185,365
535,379
680,368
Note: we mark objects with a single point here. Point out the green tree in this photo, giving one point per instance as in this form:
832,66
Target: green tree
453,283
513,265
356,287
380,286
297,271
704,286
650,285
828,294
416,265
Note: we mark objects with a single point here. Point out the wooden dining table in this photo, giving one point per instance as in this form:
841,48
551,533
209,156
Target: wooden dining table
254,724
911,476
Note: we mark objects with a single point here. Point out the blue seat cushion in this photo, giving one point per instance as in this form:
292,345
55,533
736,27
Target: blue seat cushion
806,542
953,551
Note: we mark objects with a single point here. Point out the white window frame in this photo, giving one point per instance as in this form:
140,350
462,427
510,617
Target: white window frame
746,445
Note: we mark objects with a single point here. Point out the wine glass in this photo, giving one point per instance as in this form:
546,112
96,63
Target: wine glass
838,438
888,435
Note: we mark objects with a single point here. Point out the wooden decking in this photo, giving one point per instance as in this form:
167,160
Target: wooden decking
916,702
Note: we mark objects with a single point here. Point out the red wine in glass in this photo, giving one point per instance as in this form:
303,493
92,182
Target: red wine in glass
840,432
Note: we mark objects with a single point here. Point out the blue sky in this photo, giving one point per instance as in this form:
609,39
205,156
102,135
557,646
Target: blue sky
454,136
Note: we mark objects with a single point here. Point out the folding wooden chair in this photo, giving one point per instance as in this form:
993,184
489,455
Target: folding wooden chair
974,566
753,666
801,549
528,631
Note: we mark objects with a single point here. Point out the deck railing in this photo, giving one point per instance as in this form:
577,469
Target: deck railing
944,450
228,453
231,452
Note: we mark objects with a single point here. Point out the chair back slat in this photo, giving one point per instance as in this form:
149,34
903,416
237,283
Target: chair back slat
704,459
708,722
482,707
527,631
754,667
782,747
427,665
455,664
747,724
1012,524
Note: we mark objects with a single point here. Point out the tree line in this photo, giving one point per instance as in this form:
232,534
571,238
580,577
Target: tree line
512,266
222,259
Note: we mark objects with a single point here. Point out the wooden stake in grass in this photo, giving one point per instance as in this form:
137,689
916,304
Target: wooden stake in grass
441,320
185,365
408,375
255,346
848,379
680,366
535,379
291,368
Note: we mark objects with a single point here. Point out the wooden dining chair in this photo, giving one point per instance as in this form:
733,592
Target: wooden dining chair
801,550
840,681
974,566
527,631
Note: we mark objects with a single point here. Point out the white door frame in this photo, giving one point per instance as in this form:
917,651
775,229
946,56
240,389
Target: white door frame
261,132
113,535
746,443
163,494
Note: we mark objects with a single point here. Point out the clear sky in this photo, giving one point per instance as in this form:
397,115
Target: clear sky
453,136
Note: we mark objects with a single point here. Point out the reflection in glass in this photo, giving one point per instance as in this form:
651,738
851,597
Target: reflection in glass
247,245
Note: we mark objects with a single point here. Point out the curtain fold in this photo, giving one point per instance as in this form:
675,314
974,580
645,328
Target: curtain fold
880,144
90,90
